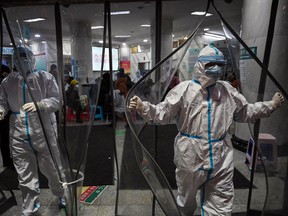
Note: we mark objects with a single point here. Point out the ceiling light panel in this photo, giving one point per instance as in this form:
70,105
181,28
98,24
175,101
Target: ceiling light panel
120,12
97,27
215,35
201,13
34,20
122,36
146,25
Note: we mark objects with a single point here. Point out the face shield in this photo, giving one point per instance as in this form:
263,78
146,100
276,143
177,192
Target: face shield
27,60
210,66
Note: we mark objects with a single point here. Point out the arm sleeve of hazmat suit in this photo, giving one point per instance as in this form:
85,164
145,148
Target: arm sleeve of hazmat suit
248,112
165,111
51,102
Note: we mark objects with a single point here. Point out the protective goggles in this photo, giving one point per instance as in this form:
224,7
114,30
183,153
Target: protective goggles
216,59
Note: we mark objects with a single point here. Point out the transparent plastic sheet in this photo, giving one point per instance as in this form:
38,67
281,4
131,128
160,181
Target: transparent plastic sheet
152,87
69,163
268,167
42,119
78,137
133,192
234,51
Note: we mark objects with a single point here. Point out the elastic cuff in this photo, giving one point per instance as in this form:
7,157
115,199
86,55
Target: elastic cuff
272,104
40,106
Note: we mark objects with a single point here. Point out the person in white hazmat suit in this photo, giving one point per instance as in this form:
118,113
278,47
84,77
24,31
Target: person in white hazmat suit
205,108
27,142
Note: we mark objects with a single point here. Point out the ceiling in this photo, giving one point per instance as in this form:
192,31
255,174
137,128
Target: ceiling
141,12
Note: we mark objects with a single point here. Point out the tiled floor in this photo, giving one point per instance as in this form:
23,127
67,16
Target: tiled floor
140,200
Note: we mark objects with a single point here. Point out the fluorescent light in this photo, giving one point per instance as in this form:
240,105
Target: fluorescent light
146,25
145,40
122,36
215,36
119,12
34,20
101,42
37,35
43,42
201,13
97,27
206,29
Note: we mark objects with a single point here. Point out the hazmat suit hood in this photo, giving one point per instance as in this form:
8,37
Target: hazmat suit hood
207,76
26,63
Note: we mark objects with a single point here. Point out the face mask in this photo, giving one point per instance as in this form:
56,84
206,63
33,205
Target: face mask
25,64
214,72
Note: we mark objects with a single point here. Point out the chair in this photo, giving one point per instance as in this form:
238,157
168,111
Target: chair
99,113
71,115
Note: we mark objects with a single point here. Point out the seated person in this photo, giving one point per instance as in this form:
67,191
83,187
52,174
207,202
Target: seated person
73,99
119,103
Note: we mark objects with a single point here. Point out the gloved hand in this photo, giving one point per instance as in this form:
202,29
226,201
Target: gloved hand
29,107
136,104
277,100
1,113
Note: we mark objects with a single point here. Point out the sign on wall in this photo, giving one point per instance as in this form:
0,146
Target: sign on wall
126,66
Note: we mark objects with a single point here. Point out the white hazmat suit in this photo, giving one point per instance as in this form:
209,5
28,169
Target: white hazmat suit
27,142
203,154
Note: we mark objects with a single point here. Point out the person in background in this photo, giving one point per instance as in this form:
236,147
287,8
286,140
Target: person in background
174,81
119,104
104,95
4,127
137,77
67,81
28,145
121,82
54,71
231,78
73,99
203,154
67,70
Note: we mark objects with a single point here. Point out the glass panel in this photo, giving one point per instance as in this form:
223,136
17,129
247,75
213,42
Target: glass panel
90,143
134,43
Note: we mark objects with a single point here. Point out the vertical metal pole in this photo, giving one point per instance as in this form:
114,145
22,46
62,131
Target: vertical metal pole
108,16
59,45
158,45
